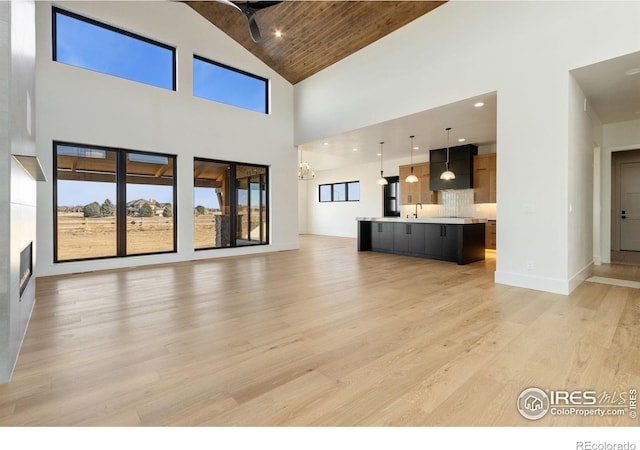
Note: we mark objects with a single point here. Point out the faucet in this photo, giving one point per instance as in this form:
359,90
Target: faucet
416,213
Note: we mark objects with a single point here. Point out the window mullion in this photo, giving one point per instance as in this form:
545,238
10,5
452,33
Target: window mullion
121,206
233,204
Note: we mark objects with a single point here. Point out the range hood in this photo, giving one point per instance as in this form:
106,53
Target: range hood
460,163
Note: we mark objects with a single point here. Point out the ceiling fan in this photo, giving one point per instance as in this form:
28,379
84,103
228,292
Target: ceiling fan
249,9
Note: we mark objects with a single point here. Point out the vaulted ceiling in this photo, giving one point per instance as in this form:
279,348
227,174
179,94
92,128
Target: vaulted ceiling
314,34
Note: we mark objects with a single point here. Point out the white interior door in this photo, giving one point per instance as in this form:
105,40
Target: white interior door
630,206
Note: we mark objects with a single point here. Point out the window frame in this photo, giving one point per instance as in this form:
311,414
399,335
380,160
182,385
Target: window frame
387,197
346,192
330,193
54,27
121,202
241,72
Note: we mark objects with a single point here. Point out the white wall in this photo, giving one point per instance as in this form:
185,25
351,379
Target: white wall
303,207
522,50
17,188
339,218
83,106
580,179
597,134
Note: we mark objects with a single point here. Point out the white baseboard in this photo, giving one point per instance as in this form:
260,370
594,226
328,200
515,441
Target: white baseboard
579,277
552,285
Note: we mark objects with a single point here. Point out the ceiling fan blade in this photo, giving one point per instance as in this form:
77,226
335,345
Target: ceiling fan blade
261,4
253,28
229,3
249,9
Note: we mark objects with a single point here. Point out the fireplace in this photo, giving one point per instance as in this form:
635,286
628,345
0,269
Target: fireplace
26,266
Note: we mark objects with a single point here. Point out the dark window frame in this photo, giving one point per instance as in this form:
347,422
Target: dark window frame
387,197
233,202
346,192
121,203
330,193
56,10
241,72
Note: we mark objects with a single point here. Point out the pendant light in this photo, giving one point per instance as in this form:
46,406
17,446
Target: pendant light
447,174
411,178
382,180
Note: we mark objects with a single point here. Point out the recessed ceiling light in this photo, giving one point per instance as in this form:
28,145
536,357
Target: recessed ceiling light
379,154
478,105
278,33
634,71
326,143
416,148
461,140
355,149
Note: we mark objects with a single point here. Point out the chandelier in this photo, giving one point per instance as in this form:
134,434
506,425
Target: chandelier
304,170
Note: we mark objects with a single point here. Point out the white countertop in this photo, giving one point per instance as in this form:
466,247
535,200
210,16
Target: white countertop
448,220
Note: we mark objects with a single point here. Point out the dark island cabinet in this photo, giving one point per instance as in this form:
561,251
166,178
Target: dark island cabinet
462,243
382,236
408,238
441,241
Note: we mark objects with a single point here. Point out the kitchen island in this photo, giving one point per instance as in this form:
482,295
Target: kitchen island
456,239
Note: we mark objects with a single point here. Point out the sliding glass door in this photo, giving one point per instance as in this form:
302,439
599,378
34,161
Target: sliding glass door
251,205
230,204
212,224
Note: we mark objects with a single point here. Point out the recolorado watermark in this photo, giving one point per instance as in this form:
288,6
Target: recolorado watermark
588,445
535,403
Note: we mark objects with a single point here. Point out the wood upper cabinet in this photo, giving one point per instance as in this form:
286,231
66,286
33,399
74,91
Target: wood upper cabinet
427,197
412,193
409,193
484,178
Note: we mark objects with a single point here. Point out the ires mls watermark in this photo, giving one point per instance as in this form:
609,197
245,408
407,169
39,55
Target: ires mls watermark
535,403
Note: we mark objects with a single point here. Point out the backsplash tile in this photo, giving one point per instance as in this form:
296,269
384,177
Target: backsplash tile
453,203
457,203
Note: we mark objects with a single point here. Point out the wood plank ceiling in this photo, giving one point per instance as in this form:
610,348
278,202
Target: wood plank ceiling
315,34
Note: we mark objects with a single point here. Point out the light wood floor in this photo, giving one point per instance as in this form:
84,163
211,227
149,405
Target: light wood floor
320,336
626,258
